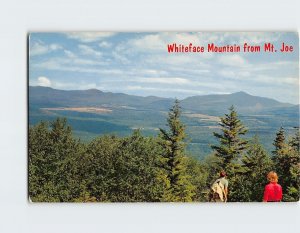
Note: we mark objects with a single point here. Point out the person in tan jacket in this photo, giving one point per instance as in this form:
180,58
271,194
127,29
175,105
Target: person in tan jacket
219,189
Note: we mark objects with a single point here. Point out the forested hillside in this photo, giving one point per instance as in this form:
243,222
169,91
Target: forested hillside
92,113
157,168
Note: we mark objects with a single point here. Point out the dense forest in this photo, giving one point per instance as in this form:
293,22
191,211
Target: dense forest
156,169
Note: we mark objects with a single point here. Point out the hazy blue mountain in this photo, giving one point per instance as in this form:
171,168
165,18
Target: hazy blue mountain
212,104
263,116
49,97
218,104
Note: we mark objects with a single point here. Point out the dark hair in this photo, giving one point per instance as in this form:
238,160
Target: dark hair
222,174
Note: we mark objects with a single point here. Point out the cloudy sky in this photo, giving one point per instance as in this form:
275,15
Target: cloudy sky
139,64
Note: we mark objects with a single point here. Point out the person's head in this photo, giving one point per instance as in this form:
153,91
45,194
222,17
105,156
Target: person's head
272,177
222,174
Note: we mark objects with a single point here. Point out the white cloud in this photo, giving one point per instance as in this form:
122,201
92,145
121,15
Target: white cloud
70,61
291,81
137,87
239,37
87,50
165,80
39,48
75,86
120,58
228,73
75,65
233,60
163,90
276,65
235,74
195,71
146,72
104,44
87,37
245,74
141,61
157,42
176,60
54,47
148,42
70,54
255,37
44,82
153,49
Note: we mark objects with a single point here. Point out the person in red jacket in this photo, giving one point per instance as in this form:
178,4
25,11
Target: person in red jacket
273,190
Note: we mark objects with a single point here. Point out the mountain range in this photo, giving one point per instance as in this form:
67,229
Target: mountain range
49,97
93,112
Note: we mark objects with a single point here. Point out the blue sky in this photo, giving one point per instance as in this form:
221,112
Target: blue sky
139,64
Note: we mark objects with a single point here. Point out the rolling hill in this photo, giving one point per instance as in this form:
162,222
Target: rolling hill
218,104
49,97
93,112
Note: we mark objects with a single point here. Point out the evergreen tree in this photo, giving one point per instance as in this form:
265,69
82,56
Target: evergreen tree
53,155
99,169
295,140
230,151
123,169
39,146
287,160
257,164
279,141
173,160
198,177
231,144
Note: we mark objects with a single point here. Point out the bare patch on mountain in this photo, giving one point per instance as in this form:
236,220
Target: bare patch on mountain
80,109
202,117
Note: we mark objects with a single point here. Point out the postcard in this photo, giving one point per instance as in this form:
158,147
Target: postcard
163,117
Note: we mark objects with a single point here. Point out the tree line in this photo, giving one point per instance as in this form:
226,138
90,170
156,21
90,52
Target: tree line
156,169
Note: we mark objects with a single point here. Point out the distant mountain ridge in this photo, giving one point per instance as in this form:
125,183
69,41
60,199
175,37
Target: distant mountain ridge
92,112
245,103
208,104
